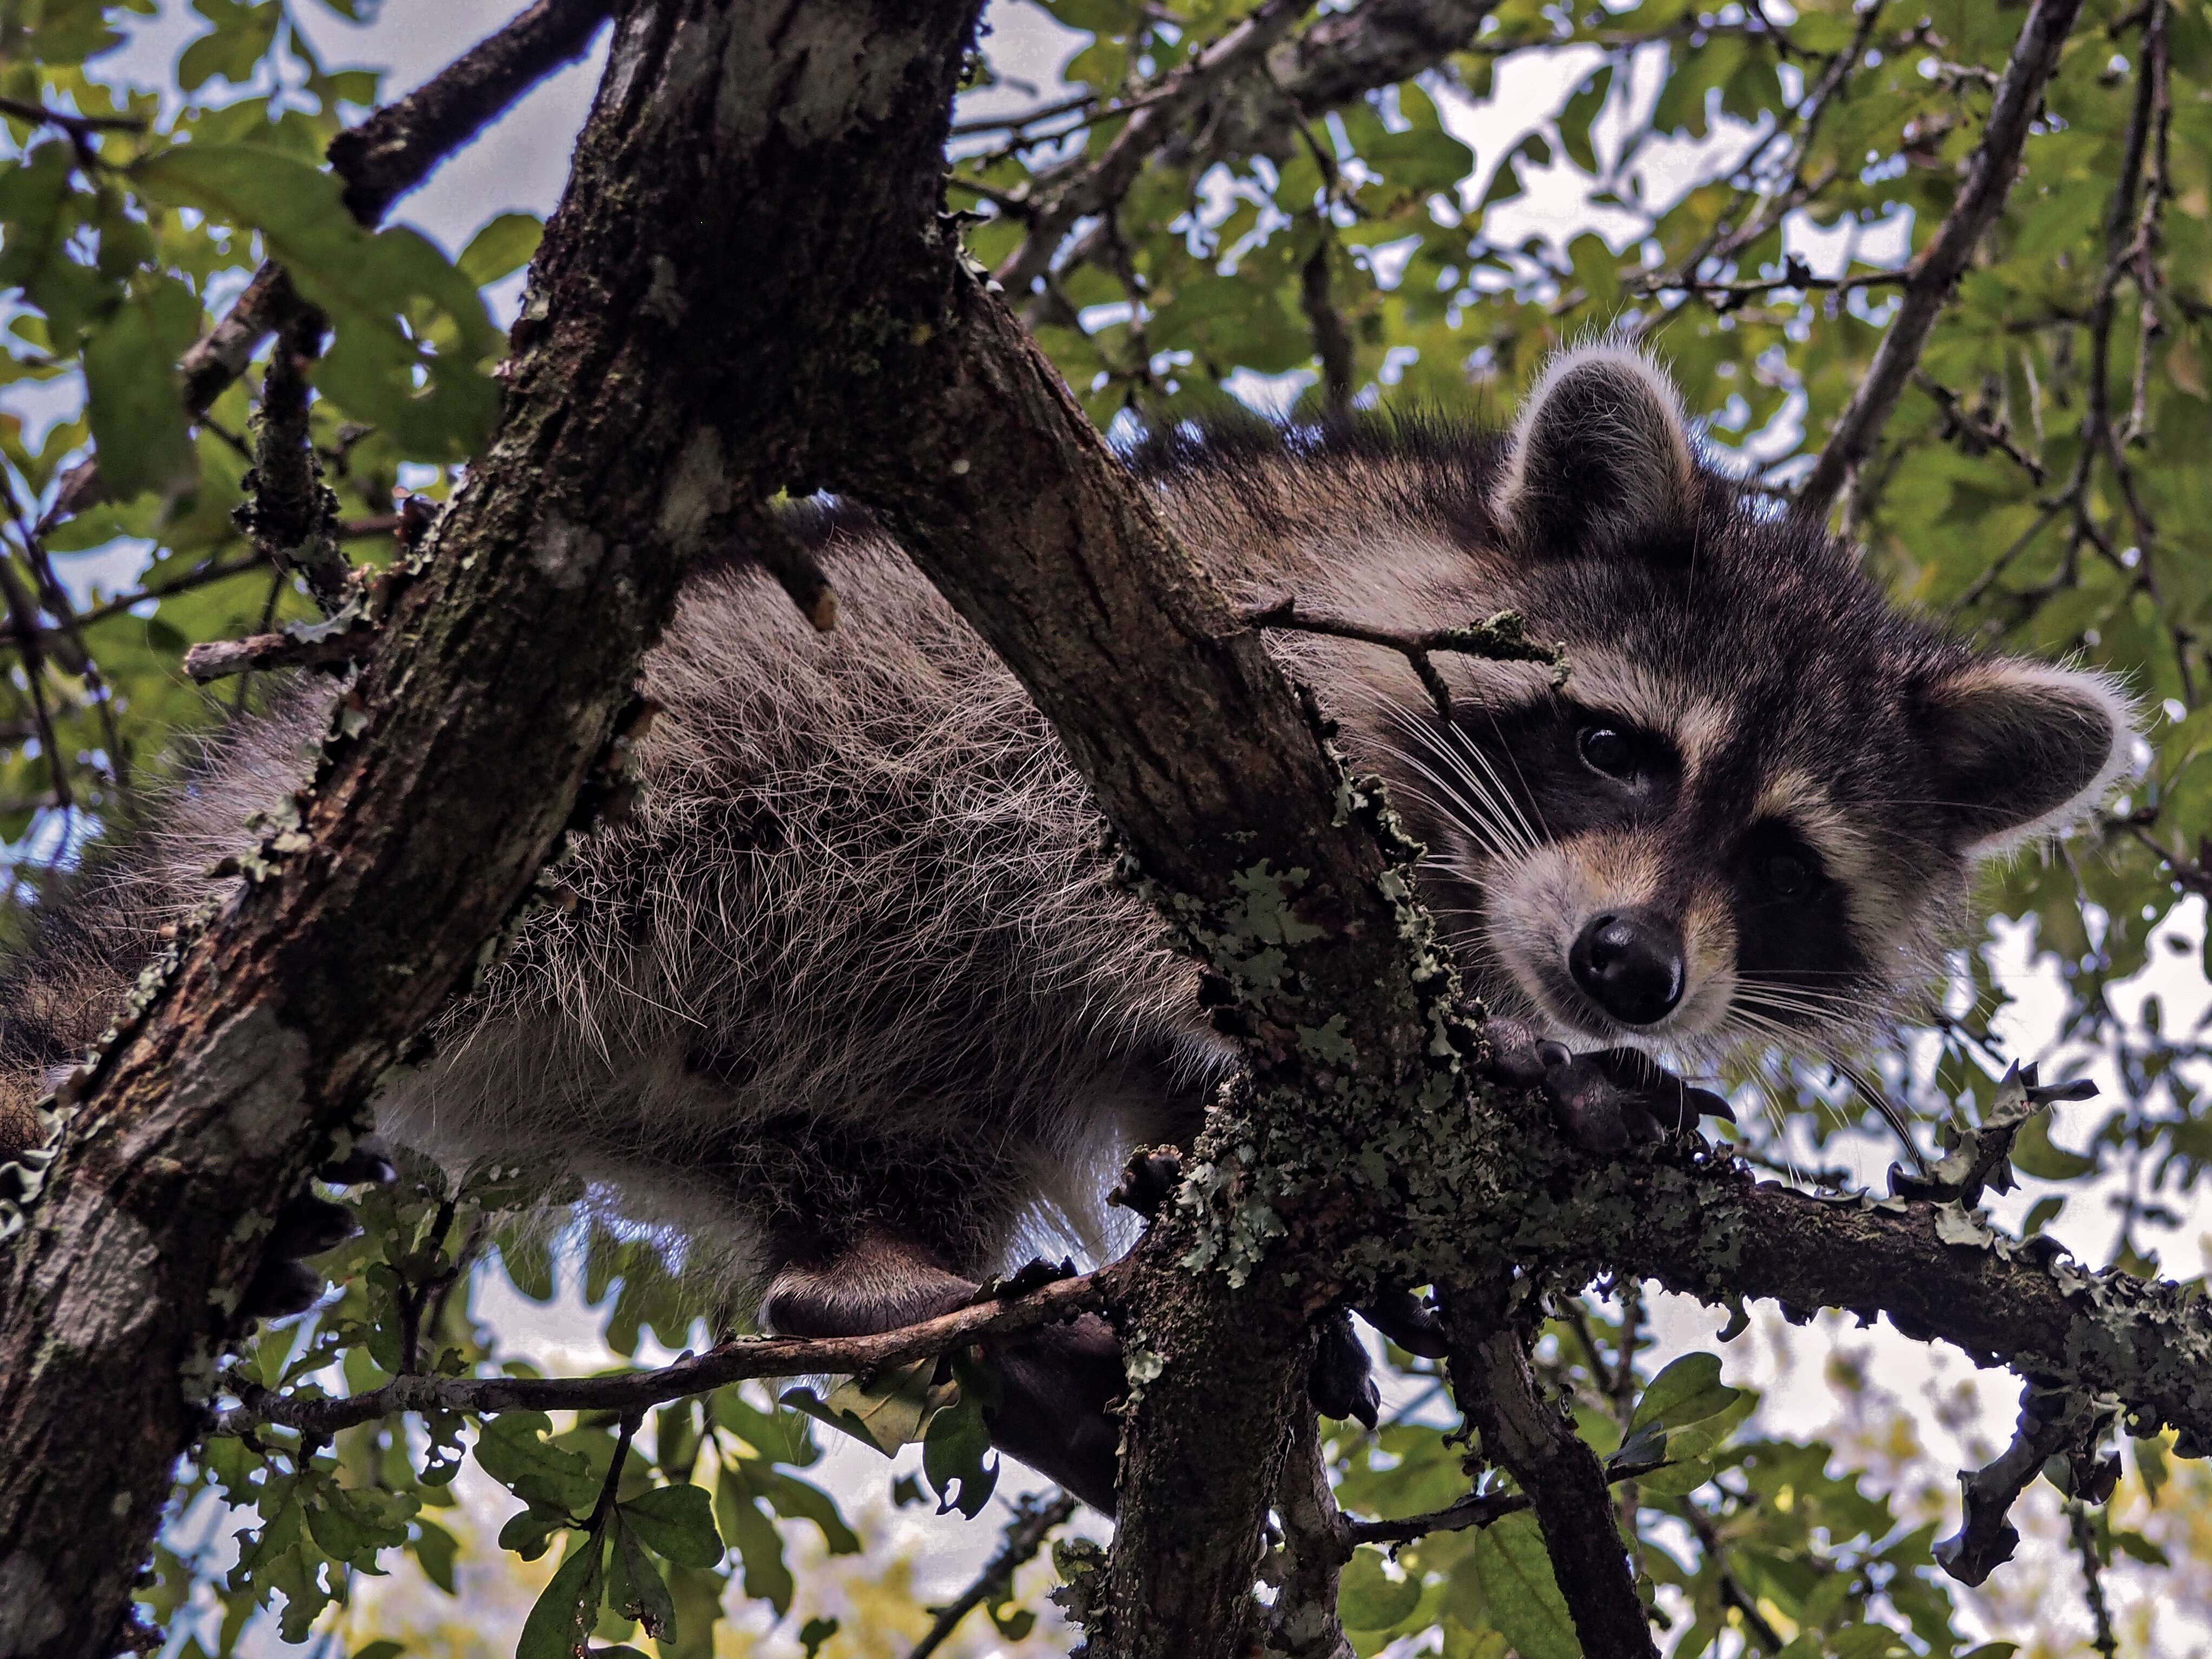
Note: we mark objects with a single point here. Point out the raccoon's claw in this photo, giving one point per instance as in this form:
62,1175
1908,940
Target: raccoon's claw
285,1284
1606,1100
1057,1384
1340,1382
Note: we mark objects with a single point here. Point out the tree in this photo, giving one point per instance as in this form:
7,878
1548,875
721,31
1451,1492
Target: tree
752,290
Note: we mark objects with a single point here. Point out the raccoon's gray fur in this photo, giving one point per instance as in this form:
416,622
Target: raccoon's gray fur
853,996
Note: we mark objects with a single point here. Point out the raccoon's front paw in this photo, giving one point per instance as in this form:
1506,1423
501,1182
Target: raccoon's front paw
1606,1100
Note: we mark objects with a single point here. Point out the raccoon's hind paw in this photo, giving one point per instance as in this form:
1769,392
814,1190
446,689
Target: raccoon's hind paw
285,1284
308,1225
1606,1100
1341,1383
1057,1388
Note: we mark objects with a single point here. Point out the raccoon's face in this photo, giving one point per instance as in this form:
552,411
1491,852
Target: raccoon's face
1753,812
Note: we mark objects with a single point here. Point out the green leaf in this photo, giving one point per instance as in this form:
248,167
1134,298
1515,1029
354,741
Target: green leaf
502,247
952,1457
133,393
529,1532
243,34
511,1449
385,1650
891,1410
2034,1153
435,1549
353,1526
636,1590
1687,1391
363,282
760,1547
560,1624
678,1522
799,1500
1368,1598
1523,1599
815,1632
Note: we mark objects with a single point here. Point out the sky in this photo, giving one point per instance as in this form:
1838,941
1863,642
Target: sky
1960,1416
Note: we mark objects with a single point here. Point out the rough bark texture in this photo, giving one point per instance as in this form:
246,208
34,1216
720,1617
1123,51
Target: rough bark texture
733,196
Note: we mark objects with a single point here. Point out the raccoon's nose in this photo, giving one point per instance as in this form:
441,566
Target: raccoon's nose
1629,964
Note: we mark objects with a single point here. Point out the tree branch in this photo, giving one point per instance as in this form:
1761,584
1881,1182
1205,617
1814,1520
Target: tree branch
1940,264
395,149
1317,1541
1566,1486
219,659
290,512
1698,1223
484,729
732,1361
2050,1422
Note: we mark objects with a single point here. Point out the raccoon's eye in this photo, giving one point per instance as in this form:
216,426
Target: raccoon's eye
1606,750
1786,875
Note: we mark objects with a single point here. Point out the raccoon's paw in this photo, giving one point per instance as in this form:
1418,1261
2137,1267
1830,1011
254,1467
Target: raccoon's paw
1408,1321
1340,1383
284,1285
1606,1100
1057,1387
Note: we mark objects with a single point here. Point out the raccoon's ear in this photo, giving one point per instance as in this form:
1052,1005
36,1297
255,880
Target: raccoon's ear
1601,455
2023,749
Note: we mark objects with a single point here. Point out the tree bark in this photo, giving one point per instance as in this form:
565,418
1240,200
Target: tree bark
692,320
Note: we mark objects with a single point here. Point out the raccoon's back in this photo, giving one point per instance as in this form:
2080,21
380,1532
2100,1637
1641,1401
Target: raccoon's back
860,887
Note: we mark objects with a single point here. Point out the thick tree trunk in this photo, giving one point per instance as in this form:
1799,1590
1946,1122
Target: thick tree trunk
708,295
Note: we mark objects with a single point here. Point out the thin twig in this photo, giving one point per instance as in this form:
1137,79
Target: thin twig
218,659
292,515
732,1362
1035,1521
1762,1634
2105,1639
1936,271
1499,638
1102,182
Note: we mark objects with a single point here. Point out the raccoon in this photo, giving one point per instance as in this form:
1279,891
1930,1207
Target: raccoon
853,1005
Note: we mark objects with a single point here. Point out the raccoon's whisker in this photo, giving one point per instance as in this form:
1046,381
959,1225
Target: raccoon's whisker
1463,749
1498,808
1497,839
1799,1041
1501,837
1523,777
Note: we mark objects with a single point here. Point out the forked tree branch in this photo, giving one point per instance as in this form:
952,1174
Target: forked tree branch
1937,269
483,730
